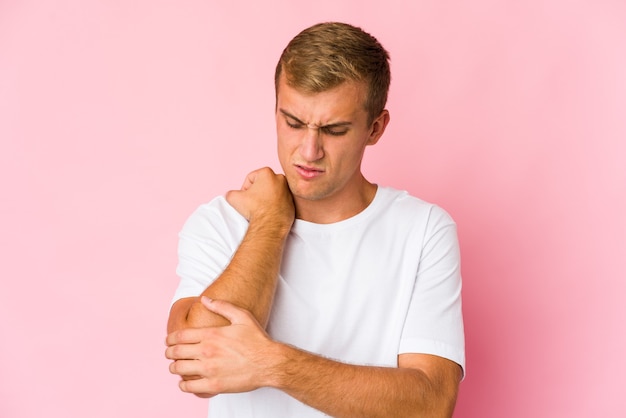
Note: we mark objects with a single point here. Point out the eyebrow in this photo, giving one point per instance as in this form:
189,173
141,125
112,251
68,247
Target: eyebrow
330,125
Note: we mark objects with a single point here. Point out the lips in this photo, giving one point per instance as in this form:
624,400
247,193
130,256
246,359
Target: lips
308,172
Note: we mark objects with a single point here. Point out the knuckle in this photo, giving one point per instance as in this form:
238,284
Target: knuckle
178,335
175,352
207,351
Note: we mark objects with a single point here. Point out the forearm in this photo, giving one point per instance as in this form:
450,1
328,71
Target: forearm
249,281
344,390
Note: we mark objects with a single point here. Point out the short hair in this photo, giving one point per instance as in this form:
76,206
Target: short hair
326,55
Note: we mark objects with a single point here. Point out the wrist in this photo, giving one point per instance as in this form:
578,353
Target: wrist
276,226
277,368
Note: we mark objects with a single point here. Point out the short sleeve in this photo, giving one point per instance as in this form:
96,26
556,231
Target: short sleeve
206,244
434,323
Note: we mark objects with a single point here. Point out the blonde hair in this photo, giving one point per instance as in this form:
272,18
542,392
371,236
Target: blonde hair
328,54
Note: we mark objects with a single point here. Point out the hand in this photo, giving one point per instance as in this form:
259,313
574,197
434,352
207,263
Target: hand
230,359
264,194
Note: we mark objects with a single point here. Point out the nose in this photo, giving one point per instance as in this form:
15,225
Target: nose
311,146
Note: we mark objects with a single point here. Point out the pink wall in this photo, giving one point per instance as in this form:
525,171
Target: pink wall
118,118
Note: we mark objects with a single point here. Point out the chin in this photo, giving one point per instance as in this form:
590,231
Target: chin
308,194
307,191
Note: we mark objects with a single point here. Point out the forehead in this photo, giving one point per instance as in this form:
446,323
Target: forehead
343,102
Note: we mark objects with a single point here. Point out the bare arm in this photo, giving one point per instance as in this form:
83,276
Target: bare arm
249,281
421,386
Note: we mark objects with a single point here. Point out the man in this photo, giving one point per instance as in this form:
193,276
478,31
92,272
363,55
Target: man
317,292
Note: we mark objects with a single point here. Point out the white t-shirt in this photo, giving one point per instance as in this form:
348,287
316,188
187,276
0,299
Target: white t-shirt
364,290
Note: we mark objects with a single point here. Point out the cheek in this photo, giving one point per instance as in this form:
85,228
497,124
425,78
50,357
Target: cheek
281,143
347,161
287,141
284,149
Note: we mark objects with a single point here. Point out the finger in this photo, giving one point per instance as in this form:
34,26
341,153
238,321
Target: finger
186,368
200,387
229,311
249,180
237,199
265,172
232,196
204,395
184,336
183,352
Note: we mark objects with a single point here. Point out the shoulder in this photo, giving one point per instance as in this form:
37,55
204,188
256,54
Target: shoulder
404,207
216,215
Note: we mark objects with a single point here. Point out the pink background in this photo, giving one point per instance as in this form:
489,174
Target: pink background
118,118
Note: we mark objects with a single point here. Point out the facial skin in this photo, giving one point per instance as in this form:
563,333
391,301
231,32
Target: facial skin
321,141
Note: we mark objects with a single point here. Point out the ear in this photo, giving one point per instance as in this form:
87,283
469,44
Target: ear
378,127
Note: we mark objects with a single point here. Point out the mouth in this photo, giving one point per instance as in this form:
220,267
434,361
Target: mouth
308,172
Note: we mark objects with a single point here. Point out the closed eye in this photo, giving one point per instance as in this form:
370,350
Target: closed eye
327,130
333,131
294,125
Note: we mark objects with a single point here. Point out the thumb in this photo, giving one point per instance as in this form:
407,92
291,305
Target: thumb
226,309
249,181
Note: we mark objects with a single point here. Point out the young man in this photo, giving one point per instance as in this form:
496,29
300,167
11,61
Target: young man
317,292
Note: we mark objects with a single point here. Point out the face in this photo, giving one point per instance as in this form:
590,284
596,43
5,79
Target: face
321,141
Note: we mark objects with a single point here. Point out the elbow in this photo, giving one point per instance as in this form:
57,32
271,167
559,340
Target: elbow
447,407
191,313
438,400
200,317
446,401
440,408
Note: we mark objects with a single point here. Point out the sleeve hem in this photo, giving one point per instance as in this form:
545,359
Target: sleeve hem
436,348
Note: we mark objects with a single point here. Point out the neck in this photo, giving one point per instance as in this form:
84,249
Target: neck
335,208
